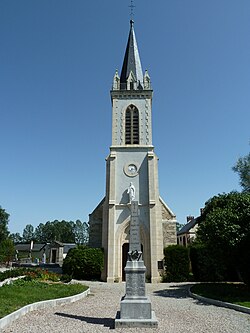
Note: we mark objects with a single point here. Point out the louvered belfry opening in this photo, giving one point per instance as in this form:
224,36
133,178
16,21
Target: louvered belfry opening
132,126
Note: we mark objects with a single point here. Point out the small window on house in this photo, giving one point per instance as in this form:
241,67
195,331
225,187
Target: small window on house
132,125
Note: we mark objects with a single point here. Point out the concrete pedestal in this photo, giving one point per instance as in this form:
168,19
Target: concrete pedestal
136,308
134,322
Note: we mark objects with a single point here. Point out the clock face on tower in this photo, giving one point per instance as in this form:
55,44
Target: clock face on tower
131,169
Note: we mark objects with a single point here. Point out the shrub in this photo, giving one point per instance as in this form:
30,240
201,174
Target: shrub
206,265
65,278
7,251
176,263
84,263
30,274
12,273
243,255
42,274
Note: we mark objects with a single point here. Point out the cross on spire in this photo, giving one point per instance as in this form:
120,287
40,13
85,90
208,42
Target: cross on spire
132,6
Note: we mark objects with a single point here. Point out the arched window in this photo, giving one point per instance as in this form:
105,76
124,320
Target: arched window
132,125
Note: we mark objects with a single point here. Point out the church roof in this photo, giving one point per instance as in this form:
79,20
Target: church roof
131,60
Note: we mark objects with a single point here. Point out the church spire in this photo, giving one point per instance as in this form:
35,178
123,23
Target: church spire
131,63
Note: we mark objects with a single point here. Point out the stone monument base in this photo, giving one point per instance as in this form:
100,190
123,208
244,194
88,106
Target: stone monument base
138,308
135,322
135,308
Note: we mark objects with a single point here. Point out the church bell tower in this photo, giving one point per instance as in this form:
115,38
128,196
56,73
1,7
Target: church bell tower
132,163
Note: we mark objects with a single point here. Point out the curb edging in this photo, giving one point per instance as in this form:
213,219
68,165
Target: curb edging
9,280
7,320
219,303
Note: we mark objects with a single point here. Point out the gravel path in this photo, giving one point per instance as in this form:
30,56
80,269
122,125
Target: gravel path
174,309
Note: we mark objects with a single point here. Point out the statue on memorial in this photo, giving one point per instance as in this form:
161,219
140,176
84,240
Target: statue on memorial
131,192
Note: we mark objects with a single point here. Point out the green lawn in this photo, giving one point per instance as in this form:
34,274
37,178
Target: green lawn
227,292
21,293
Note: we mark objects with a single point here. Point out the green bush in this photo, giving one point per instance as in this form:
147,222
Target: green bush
12,273
65,278
206,265
176,263
7,251
84,263
243,255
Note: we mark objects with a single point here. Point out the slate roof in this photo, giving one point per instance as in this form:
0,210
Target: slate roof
131,60
56,242
26,247
68,246
185,229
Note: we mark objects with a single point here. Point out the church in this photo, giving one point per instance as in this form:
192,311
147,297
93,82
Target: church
132,171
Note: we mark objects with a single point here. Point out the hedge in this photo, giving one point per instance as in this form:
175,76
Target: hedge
176,263
207,265
11,273
84,263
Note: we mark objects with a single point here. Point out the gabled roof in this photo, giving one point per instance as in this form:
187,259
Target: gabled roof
131,60
100,205
55,242
167,210
185,229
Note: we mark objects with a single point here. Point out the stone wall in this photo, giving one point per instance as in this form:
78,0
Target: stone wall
169,233
95,227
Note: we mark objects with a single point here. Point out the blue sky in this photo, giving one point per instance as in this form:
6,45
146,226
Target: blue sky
57,62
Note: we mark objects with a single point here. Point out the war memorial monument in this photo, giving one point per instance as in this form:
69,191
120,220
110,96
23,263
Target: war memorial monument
135,305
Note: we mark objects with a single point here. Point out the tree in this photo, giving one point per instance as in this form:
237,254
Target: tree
179,226
4,220
48,232
7,251
66,229
242,167
62,231
28,233
81,232
224,227
16,238
39,233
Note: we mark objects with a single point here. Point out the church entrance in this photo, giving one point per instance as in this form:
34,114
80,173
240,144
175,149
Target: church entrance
125,249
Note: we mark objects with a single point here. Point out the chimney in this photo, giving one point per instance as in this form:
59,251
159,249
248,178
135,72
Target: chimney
190,218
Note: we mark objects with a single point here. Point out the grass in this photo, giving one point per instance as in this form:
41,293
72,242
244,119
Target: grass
227,292
21,293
